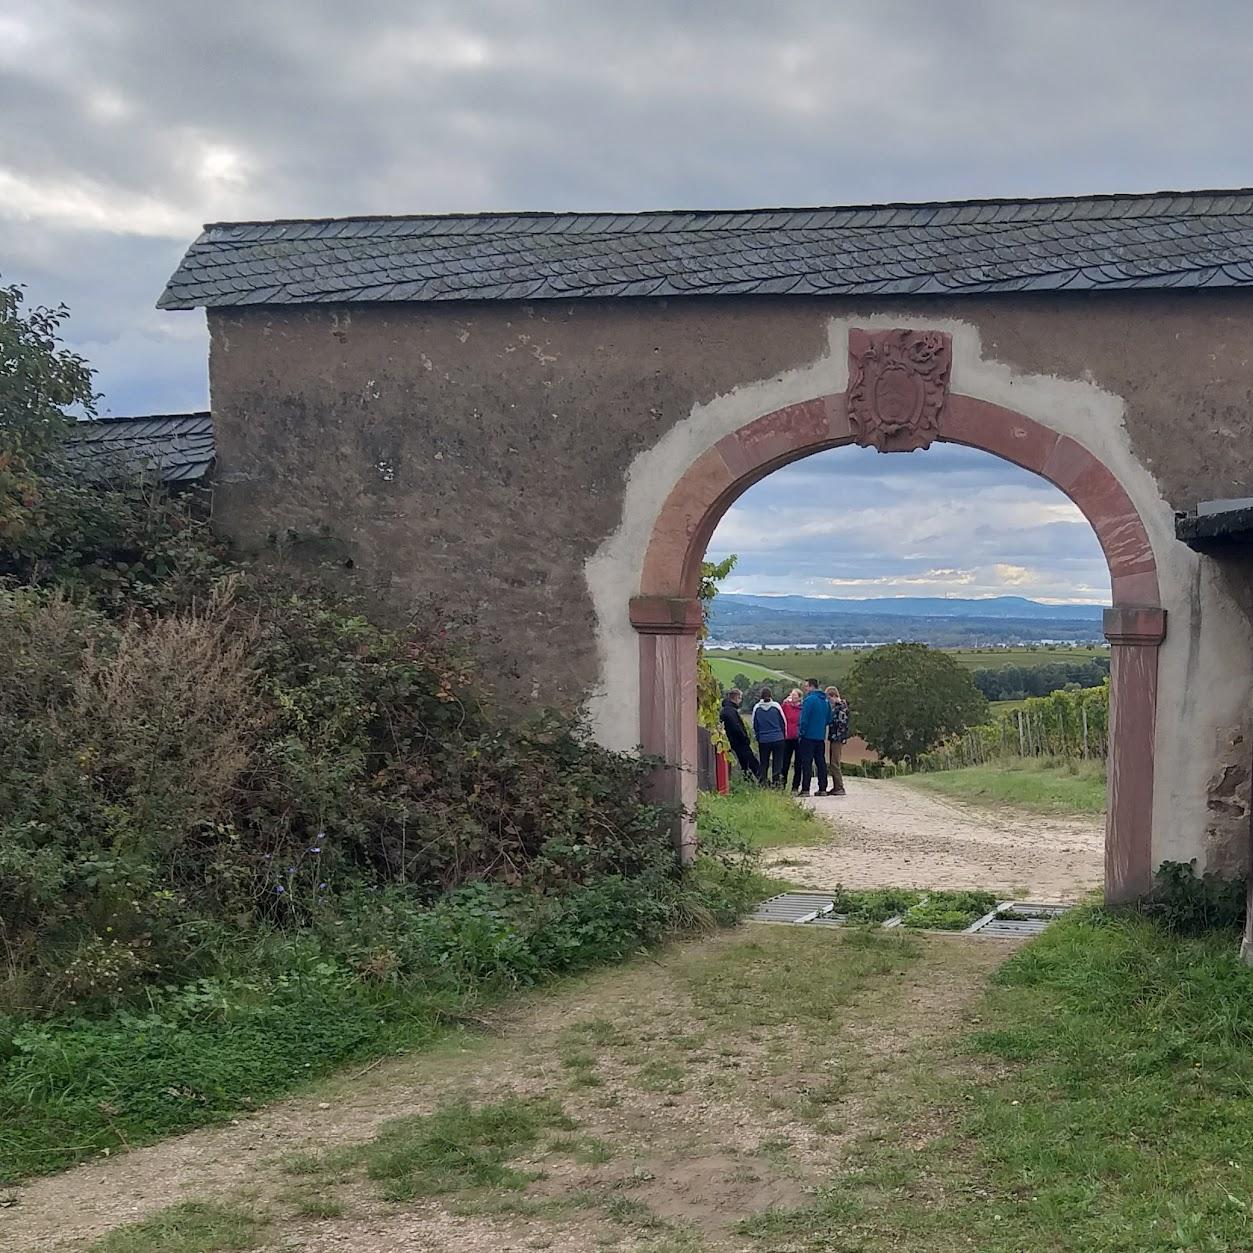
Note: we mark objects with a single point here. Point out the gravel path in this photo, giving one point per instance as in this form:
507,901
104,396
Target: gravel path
887,834
710,1112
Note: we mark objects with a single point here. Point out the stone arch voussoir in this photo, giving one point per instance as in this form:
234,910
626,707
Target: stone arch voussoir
667,618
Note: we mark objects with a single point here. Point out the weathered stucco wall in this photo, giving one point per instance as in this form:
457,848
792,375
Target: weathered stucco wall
506,459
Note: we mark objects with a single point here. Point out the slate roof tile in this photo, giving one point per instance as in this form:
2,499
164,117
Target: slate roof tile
1089,243
177,447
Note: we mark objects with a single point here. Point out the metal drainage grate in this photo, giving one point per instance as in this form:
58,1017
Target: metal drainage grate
1009,920
1012,920
829,920
794,907
810,908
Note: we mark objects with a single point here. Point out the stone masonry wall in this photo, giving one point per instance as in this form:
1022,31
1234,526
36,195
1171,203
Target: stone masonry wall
477,452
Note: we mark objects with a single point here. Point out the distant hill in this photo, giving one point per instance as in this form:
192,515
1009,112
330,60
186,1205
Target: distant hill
1018,607
939,621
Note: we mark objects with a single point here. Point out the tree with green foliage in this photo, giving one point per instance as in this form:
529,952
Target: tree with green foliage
122,546
906,698
40,382
708,689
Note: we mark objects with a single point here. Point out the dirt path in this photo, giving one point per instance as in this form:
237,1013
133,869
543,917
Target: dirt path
888,834
731,1075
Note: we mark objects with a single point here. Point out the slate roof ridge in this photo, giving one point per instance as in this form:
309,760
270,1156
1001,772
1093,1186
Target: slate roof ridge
1045,244
187,414
505,217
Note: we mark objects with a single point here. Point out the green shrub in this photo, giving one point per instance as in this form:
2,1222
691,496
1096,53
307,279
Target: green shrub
1191,905
384,972
260,759
247,833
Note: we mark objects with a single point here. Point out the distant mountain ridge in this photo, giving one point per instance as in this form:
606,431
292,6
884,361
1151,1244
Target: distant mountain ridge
995,607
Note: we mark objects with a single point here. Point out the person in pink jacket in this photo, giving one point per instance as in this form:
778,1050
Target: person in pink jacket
792,732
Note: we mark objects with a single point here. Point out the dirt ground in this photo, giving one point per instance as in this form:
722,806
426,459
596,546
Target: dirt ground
728,1075
890,835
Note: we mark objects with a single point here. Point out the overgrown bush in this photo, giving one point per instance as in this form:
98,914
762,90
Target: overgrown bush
259,760
246,833
1189,904
198,751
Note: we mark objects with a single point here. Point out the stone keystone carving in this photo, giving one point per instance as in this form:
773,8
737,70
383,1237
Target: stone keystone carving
897,386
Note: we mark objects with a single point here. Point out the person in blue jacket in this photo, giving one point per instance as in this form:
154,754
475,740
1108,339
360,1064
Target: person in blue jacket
771,731
811,748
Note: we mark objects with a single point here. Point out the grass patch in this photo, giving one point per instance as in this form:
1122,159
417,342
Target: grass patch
1106,1104
317,1205
459,1146
790,977
585,1150
761,817
725,669
191,1227
1046,784
74,1086
301,1164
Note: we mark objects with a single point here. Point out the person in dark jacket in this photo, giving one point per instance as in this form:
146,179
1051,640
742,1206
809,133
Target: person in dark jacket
837,735
737,735
812,746
771,731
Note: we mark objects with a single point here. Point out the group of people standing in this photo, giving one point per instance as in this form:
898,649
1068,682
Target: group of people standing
804,734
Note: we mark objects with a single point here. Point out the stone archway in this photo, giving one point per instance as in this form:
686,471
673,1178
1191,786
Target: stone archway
898,400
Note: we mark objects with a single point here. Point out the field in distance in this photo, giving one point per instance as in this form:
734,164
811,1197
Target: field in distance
833,665
727,666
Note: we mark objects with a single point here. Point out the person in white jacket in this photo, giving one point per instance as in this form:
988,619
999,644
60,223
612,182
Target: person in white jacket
770,729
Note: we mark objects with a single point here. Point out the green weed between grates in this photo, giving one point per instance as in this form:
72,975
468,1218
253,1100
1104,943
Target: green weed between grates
948,910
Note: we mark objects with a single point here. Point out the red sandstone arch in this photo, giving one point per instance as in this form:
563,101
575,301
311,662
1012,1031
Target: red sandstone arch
667,615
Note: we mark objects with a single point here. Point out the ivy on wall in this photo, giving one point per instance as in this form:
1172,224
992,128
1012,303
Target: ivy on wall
708,689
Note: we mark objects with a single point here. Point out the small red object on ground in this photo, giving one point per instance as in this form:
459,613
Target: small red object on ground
723,772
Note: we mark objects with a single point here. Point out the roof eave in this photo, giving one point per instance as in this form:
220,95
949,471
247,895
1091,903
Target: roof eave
1225,533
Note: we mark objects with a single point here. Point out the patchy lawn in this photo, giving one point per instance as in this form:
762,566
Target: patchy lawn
761,816
1046,784
771,1089
1103,1102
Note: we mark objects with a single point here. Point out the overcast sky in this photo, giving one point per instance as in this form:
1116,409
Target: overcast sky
125,124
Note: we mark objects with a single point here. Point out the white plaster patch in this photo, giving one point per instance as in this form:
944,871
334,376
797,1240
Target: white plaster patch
613,572
1204,676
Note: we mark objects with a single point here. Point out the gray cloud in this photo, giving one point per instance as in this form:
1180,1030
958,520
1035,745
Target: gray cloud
128,124
950,521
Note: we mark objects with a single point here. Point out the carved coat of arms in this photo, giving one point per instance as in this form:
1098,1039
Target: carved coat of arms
897,386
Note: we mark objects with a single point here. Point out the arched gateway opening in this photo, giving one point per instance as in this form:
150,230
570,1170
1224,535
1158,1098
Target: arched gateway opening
898,400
